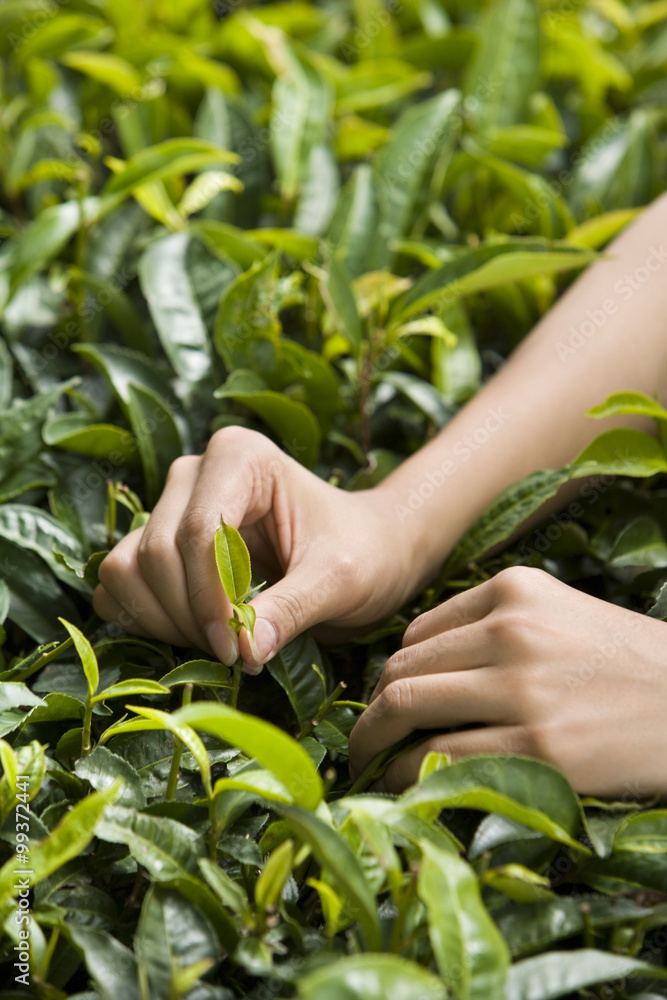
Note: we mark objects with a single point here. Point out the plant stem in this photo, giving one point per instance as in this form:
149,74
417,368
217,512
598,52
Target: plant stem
110,514
322,711
236,684
172,781
365,381
87,725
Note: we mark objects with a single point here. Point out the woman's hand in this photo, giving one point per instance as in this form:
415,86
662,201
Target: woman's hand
536,668
338,557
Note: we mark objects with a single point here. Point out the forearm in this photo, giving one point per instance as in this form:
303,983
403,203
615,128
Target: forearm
607,334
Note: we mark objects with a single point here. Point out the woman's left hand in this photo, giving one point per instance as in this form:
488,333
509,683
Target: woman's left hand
536,668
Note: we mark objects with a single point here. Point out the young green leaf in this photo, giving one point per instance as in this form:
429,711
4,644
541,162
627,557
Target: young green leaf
233,561
273,748
87,654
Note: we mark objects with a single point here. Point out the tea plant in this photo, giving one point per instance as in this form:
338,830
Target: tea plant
328,222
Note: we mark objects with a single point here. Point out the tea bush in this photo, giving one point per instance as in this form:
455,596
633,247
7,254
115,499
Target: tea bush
329,222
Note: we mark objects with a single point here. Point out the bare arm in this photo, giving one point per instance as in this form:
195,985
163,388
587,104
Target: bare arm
608,333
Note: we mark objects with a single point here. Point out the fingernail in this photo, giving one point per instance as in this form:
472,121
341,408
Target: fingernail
224,642
265,641
253,668
256,667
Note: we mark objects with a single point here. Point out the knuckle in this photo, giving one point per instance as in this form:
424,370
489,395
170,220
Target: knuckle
508,628
537,741
413,631
196,521
289,607
394,668
236,436
396,698
517,582
113,568
438,744
153,551
182,466
348,571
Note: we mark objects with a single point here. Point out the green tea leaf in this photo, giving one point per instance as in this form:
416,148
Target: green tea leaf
274,749
168,290
167,159
405,169
123,688
204,672
87,654
548,976
233,561
336,857
167,849
509,36
111,964
104,769
507,785
69,838
371,977
292,669
471,954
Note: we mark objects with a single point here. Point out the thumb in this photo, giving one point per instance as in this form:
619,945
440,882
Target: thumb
284,611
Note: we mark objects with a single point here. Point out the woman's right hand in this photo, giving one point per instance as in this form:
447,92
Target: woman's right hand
336,557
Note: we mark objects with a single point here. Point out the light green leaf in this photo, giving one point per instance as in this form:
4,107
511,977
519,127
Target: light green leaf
487,267
111,70
354,222
371,977
645,833
410,165
233,561
69,838
508,785
630,403
302,106
621,452
509,36
518,882
472,956
336,858
204,672
171,299
292,420
338,295
556,973
273,748
257,782
78,433
167,159
276,871
123,688
204,188
87,654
